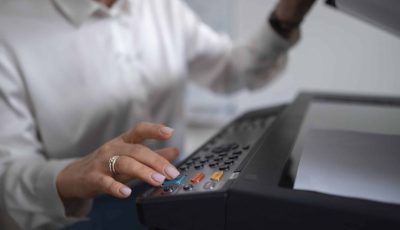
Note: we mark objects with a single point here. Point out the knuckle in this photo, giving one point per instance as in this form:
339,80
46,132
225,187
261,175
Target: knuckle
138,168
159,162
106,148
138,149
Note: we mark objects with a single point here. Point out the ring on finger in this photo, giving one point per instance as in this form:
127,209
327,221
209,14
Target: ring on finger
111,164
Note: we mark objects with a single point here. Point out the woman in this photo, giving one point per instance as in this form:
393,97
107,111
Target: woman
76,74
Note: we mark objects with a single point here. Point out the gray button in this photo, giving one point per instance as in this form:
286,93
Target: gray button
209,185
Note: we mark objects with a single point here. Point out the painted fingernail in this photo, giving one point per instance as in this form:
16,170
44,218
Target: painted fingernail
166,130
126,191
158,177
171,171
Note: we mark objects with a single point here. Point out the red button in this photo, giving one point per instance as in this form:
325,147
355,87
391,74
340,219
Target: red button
198,177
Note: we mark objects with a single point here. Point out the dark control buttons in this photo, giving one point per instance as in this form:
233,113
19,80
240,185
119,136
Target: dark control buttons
183,168
188,187
198,166
203,161
233,157
208,156
224,167
218,159
246,147
170,188
213,164
234,146
237,153
229,162
195,158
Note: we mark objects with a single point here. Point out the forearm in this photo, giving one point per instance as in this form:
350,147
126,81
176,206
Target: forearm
29,194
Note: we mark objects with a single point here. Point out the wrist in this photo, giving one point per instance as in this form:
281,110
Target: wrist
284,28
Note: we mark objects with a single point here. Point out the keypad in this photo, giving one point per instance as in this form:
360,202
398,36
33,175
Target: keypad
210,167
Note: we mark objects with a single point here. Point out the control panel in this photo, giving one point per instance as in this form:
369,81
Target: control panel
218,161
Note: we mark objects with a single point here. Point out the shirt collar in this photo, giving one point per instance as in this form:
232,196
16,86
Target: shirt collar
78,11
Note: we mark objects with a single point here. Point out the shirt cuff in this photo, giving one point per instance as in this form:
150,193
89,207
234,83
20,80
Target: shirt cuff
267,42
47,191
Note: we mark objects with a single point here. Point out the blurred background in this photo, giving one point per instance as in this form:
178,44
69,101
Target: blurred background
336,53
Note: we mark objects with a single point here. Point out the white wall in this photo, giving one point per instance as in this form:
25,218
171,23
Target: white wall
336,53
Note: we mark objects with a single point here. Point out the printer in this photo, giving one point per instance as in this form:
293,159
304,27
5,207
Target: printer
325,161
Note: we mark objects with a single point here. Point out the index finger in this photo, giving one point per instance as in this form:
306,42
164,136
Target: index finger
147,130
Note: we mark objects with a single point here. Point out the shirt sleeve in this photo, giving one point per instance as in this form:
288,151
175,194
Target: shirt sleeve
219,64
28,191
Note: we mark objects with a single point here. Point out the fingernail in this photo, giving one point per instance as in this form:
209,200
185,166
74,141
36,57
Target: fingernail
125,191
167,130
171,171
158,177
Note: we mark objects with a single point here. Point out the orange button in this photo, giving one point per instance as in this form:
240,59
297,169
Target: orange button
198,177
217,175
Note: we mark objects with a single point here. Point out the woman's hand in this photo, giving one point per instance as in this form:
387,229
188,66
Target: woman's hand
91,175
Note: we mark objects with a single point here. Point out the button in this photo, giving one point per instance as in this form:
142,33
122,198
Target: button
183,168
224,167
203,161
234,157
177,181
237,153
229,162
189,163
246,147
222,148
208,156
198,177
223,154
216,176
209,185
188,187
170,188
234,146
198,166
195,158
213,164
218,159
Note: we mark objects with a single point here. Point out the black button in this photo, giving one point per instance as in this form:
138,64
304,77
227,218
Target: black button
237,153
246,147
203,161
208,156
169,188
183,168
229,162
198,166
234,157
234,146
189,163
213,164
224,167
223,154
218,159
195,158
222,148
188,187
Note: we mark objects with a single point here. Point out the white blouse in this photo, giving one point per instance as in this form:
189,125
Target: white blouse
74,74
